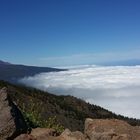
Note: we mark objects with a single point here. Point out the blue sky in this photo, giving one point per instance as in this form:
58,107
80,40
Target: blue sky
69,32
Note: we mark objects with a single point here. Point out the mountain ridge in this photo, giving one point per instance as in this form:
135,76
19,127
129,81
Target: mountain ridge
12,72
4,63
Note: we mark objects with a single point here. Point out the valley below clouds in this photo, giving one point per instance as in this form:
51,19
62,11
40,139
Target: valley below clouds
116,88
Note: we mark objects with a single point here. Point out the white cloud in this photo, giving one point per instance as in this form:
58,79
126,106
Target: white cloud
116,88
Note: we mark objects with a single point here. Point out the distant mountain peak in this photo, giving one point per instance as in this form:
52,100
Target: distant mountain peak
4,63
13,72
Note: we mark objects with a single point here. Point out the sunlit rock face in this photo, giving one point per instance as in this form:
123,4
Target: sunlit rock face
11,119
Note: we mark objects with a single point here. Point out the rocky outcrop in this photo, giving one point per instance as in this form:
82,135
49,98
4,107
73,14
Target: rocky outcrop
25,137
105,129
68,135
49,134
11,120
42,133
95,129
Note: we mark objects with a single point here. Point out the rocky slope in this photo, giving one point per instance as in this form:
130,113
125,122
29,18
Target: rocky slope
15,125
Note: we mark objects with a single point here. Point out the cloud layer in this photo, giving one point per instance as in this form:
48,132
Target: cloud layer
116,88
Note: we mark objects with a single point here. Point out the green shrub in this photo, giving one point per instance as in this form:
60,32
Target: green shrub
33,118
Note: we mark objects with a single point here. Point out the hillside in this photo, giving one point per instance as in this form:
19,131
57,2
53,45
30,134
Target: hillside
11,72
70,112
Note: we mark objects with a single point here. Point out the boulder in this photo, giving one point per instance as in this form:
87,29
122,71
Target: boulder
68,135
49,134
11,119
42,133
39,134
110,129
25,137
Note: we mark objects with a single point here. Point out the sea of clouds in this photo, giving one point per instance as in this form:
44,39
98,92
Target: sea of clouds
116,88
